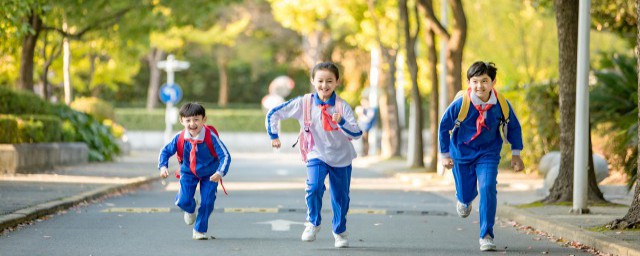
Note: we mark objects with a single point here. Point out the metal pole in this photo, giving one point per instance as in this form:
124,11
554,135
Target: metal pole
443,100
580,174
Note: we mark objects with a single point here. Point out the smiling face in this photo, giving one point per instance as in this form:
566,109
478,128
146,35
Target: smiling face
325,83
482,86
193,124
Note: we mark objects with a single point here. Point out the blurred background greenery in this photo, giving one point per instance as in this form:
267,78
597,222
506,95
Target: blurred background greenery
112,47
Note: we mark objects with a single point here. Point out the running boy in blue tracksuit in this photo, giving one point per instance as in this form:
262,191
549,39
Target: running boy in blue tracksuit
330,153
199,166
473,148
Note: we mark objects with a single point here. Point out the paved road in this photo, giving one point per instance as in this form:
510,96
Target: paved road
263,215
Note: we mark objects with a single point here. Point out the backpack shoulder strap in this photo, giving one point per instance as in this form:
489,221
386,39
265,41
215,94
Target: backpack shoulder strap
306,109
180,147
209,141
503,105
338,105
466,102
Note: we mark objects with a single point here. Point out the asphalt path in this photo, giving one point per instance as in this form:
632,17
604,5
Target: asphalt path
264,215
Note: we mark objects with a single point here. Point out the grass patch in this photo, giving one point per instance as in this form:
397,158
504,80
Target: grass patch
231,120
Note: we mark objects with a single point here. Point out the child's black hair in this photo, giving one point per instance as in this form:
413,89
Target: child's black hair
192,109
479,68
330,66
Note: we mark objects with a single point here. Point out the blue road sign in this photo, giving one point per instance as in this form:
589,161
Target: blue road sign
170,93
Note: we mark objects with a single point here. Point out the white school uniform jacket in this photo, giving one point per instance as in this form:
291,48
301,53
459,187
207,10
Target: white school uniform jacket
332,147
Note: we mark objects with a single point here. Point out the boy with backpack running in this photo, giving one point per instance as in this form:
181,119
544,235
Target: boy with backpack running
470,142
327,128
203,159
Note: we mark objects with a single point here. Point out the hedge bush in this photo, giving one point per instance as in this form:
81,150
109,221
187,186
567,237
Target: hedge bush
230,120
21,102
39,128
8,129
40,121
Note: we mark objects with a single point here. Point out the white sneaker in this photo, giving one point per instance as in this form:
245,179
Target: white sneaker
310,232
463,210
341,240
486,243
199,236
189,218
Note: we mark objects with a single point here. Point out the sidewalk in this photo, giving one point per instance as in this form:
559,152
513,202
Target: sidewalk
27,197
518,188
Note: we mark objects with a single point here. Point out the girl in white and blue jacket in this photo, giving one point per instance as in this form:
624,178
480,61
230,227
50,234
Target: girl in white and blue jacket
332,128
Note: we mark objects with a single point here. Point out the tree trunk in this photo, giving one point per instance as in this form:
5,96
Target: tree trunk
391,133
455,41
632,218
28,49
95,91
567,23
455,47
315,47
416,152
154,77
223,95
430,39
594,195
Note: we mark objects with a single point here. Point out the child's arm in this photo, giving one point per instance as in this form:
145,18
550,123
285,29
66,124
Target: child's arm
166,153
446,125
289,109
223,156
514,136
347,123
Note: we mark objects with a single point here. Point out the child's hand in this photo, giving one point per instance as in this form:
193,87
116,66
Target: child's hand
164,173
275,143
516,163
447,162
337,117
215,177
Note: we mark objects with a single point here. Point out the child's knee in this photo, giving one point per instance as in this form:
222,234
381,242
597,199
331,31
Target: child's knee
315,187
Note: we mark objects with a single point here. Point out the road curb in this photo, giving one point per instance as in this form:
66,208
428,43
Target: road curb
27,214
589,238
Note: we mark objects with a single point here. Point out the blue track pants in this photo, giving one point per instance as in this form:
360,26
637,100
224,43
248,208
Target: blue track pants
340,181
186,201
474,177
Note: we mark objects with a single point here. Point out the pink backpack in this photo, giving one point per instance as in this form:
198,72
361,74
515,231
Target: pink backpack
306,137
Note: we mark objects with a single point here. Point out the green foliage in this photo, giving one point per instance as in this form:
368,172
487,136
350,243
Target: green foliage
230,120
40,121
614,107
8,129
39,128
538,111
95,107
102,146
20,102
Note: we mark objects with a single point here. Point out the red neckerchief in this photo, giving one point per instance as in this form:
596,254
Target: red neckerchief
192,155
480,121
327,121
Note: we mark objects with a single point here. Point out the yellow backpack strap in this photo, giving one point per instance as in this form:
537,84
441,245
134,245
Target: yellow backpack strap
504,106
464,110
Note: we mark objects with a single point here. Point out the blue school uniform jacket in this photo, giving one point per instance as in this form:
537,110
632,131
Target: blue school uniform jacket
206,164
488,144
